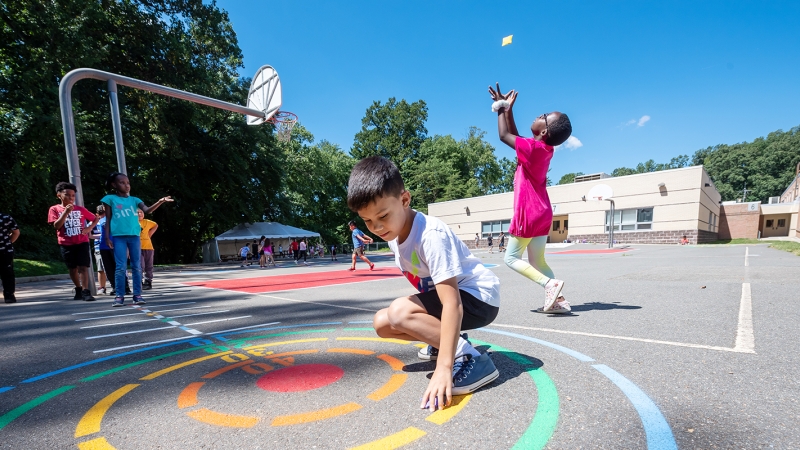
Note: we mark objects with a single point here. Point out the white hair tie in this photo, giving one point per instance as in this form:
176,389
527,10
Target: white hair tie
500,104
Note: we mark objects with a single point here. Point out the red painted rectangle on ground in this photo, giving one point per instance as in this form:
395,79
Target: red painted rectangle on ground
591,251
299,281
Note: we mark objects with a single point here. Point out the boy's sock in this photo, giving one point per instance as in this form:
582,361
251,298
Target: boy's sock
463,347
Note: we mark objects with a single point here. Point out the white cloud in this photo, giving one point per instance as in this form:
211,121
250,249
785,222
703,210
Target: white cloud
572,143
638,122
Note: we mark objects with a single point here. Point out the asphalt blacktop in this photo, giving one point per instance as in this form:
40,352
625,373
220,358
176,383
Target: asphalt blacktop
667,347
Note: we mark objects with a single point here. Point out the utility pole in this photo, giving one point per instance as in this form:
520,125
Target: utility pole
744,193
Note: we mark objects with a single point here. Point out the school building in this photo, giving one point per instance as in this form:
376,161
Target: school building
650,208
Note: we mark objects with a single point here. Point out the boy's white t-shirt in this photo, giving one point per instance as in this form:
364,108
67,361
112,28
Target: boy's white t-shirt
432,253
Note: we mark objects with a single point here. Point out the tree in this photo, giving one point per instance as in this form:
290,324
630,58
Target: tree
446,169
568,178
221,171
766,165
315,195
395,130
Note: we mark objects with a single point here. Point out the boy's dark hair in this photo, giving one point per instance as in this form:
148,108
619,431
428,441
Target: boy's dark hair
352,223
113,179
63,186
371,178
559,131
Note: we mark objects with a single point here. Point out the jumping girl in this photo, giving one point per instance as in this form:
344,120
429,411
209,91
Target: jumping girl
533,214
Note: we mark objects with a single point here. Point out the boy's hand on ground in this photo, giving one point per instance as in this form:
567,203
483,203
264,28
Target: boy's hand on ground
440,390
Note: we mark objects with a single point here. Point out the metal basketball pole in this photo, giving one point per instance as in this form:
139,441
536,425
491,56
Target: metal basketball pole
68,123
611,228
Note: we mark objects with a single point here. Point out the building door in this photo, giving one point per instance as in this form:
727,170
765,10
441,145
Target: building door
559,231
775,225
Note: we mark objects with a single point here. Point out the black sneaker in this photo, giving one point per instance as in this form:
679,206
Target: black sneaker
11,299
147,285
128,290
78,294
87,296
113,292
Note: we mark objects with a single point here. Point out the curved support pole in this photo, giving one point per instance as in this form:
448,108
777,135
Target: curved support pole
68,120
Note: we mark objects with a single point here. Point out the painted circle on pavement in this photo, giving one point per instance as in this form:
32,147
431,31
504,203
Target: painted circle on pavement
303,377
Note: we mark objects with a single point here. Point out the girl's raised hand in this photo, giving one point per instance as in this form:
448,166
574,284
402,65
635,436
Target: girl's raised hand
511,97
167,199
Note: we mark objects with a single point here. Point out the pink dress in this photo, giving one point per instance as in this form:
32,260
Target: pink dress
533,214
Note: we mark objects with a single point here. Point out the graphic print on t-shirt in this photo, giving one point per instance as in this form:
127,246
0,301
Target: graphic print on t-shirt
422,284
73,225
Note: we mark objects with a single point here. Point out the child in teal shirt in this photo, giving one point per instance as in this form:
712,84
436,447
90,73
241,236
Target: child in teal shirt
122,232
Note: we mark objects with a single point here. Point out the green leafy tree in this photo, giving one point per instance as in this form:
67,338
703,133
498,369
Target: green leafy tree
315,195
568,178
221,171
765,166
395,130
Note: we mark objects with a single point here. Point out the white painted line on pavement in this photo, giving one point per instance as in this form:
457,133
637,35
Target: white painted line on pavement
154,306
148,320
130,332
218,320
143,344
626,338
139,314
746,255
318,303
244,328
745,338
117,323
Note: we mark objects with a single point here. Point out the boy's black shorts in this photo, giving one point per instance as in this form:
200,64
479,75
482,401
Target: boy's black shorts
75,255
477,314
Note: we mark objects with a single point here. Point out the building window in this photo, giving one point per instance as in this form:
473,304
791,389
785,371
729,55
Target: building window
631,219
781,223
769,223
494,228
556,225
566,224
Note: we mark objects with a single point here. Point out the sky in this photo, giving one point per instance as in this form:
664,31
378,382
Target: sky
639,80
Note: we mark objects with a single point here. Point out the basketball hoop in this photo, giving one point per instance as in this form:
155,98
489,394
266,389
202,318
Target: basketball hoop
284,122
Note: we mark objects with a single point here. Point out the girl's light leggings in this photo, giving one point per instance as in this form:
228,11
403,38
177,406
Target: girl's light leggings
537,271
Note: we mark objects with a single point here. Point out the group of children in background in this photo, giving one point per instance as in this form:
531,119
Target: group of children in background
120,233
264,249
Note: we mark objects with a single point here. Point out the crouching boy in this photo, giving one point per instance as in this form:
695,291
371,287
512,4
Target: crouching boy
456,292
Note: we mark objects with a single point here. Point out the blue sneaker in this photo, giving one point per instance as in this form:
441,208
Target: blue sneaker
118,301
431,353
138,300
471,373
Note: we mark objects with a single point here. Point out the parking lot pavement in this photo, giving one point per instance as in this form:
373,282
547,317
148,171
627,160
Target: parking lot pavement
667,347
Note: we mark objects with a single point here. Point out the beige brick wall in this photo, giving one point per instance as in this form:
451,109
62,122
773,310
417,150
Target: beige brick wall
683,204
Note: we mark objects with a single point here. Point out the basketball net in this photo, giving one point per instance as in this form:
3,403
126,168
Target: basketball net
284,122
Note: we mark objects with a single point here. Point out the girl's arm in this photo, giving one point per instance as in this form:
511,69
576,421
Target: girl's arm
161,201
506,127
108,225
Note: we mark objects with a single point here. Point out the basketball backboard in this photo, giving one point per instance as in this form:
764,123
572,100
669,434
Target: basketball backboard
265,94
600,192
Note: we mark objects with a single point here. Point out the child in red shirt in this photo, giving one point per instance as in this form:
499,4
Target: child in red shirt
69,220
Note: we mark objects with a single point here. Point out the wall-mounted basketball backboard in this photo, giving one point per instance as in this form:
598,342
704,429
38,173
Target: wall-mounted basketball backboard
600,192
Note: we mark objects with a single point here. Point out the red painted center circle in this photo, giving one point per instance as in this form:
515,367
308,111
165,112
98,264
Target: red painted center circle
303,377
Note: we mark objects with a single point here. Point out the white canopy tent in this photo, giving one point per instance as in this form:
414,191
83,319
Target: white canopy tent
228,243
